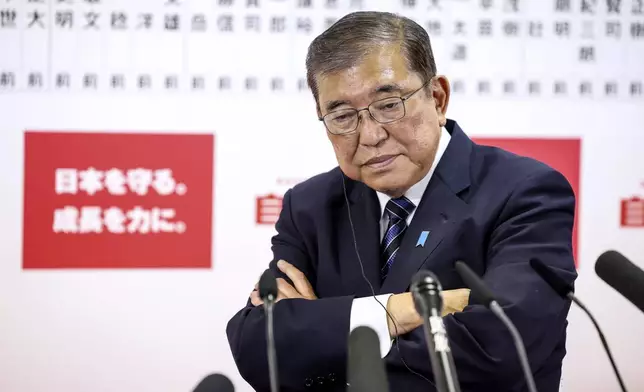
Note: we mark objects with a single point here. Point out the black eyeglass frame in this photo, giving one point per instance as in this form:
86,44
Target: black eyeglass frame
357,111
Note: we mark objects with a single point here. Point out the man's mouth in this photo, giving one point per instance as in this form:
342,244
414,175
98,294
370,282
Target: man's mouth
380,161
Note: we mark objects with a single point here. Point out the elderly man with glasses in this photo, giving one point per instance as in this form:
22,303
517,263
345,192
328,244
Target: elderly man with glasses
411,192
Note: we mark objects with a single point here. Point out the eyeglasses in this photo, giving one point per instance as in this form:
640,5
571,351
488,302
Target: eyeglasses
384,111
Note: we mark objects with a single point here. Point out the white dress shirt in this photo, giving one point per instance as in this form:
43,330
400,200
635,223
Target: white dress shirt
366,311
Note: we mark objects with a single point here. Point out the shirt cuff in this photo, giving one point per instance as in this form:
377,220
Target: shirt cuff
366,311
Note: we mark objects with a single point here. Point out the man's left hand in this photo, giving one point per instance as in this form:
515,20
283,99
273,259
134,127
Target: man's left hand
302,289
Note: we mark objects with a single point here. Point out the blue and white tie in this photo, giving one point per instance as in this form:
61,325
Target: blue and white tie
398,211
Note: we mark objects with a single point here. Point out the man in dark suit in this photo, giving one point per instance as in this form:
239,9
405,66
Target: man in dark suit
411,192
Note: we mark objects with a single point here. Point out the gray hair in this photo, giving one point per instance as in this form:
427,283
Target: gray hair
351,38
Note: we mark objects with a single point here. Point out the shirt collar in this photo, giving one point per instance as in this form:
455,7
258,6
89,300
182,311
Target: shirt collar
415,193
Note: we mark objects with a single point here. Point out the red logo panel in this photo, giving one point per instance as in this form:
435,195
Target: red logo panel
561,154
632,212
115,200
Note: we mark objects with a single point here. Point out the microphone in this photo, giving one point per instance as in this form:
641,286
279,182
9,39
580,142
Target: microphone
365,368
427,294
268,294
215,383
565,290
622,275
480,289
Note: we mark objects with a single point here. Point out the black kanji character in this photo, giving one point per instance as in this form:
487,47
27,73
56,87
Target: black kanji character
224,83
304,24
144,82
172,22
585,88
36,17
610,88
485,27
8,18
588,6
277,84
199,22
92,19
562,5
614,6
560,88
118,81
64,19
483,87
534,88
119,20
562,28
145,21
536,29
252,22
613,29
250,83
34,79
460,52
511,28
198,83
587,54
225,22
62,80
278,24
171,82
7,79
90,81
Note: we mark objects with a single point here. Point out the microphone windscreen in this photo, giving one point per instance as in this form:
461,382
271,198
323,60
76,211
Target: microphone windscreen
365,367
559,285
215,383
475,283
426,291
267,285
622,275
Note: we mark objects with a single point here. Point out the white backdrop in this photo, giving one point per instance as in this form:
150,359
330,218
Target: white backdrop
163,330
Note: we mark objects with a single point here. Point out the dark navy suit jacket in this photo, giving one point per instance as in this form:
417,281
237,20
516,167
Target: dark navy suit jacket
488,207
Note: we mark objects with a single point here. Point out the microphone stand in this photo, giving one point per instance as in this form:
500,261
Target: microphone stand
441,360
270,339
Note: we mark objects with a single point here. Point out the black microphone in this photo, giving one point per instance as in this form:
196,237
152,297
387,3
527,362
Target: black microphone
365,368
480,290
427,294
268,294
565,290
622,275
215,383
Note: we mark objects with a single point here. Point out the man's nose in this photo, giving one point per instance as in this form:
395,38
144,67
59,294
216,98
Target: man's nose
371,131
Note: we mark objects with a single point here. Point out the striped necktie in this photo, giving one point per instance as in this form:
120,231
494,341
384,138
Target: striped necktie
398,211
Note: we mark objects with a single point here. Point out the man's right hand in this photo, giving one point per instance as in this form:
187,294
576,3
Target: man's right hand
404,317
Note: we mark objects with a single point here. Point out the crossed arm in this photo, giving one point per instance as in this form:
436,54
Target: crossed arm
400,306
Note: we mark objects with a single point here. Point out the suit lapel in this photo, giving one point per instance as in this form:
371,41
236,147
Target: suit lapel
439,214
365,213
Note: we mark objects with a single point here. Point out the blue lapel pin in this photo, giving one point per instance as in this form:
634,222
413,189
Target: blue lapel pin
422,238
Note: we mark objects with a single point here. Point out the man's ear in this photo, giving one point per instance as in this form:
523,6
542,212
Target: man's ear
441,94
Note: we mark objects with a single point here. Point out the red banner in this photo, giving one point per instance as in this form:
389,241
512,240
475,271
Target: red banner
114,200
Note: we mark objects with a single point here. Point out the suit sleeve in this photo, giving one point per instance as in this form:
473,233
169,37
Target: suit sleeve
310,335
536,222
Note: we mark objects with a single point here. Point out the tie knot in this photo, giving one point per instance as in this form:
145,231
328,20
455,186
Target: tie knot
399,208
